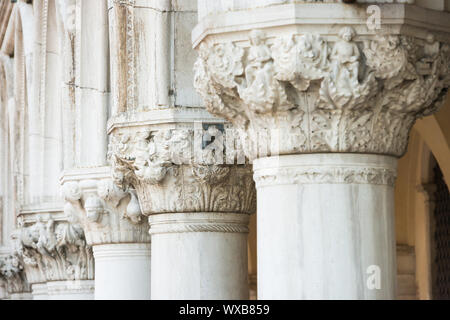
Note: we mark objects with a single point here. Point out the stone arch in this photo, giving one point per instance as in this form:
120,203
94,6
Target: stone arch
435,130
429,144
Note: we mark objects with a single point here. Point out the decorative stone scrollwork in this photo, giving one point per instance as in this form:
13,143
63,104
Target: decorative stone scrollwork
11,270
311,94
170,175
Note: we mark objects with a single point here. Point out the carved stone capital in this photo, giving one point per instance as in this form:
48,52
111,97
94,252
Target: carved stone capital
53,250
294,93
12,272
108,213
177,170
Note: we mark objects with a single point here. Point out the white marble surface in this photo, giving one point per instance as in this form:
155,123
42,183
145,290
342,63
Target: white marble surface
122,271
71,290
199,256
39,291
317,239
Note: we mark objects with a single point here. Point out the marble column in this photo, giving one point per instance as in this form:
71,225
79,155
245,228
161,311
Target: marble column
199,256
122,271
198,213
116,231
334,225
198,209
323,109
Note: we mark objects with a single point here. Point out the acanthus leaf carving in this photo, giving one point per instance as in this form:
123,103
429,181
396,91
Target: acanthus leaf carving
54,250
334,94
170,175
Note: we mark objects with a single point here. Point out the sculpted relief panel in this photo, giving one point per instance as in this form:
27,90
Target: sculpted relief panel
321,94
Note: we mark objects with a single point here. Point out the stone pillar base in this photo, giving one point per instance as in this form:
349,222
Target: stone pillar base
199,256
71,290
122,271
326,226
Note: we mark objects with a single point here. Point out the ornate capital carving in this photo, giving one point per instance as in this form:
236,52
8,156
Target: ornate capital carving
108,213
54,250
11,271
173,172
306,93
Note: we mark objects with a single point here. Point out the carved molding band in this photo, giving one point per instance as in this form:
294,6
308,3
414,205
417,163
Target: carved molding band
70,287
324,93
326,169
330,175
199,222
222,228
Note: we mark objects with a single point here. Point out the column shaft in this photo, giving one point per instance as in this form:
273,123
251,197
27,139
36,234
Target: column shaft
122,271
326,226
199,256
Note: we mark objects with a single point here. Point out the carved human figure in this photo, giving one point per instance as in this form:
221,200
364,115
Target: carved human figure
305,48
430,55
431,49
345,58
259,59
94,208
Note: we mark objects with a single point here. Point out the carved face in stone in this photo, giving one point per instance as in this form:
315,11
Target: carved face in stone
256,37
430,38
347,34
94,208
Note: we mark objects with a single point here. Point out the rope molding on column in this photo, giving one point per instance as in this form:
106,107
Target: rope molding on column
203,227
